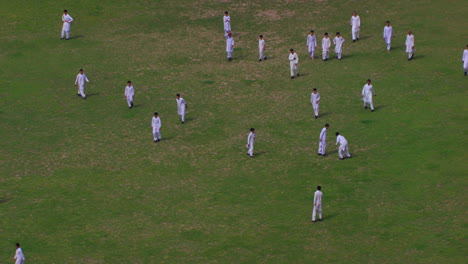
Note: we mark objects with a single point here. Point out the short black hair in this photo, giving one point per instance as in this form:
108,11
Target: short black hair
65,10
312,30
261,36
327,125
18,244
81,69
337,33
156,113
129,82
337,133
315,89
226,12
388,21
326,33
319,187
177,94
368,80
252,129
291,50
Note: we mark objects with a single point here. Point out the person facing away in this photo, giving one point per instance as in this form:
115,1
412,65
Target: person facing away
251,142
129,93
229,46
80,81
367,92
156,127
410,45
343,148
388,35
66,25
293,61
325,47
311,43
323,141
181,106
338,41
227,22
355,26
261,48
317,204
465,61
19,256
315,101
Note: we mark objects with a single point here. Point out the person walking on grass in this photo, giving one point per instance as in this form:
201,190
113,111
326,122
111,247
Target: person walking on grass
326,44
343,151
323,141
317,204
227,22
80,81
338,42
465,61
367,92
181,106
261,48
129,93
251,142
315,101
388,35
19,256
66,25
156,127
311,44
410,45
293,61
229,46
355,26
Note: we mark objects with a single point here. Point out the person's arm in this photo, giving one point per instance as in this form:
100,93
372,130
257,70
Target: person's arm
71,19
359,22
76,80
86,78
318,98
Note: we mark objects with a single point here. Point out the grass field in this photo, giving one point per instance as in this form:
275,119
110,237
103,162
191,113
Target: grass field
83,182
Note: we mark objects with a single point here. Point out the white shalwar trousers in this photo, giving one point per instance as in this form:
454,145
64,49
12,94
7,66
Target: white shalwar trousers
343,151
294,69
81,91
251,150
157,134
316,109
325,54
262,56
322,147
317,210
368,100
355,33
130,101
311,52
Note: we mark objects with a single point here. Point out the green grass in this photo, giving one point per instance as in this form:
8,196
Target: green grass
82,181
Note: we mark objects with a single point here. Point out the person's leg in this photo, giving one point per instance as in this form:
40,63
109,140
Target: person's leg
347,151
155,136
340,151
370,103
319,209
314,213
82,92
63,33
182,117
68,34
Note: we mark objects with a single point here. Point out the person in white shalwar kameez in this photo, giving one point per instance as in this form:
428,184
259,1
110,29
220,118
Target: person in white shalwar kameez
129,93
229,46
311,44
465,60
19,256
315,101
388,35
181,106
261,48
326,44
227,22
317,204
410,45
343,151
251,142
66,21
355,26
323,140
338,41
156,127
293,61
367,92
80,81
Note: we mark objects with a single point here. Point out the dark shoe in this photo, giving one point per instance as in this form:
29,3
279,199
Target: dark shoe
260,60
354,40
320,219
316,117
61,38
313,221
252,156
466,74
292,77
67,39
357,38
265,58
319,154
156,141
324,155
181,122
298,75
365,107
79,95
372,110
229,59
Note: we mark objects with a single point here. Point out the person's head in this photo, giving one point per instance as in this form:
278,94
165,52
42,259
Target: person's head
338,34
81,71
18,245
129,83
388,23
312,32
327,126
252,130
325,35
315,90
226,13
354,13
467,46
178,96
260,37
368,81
291,51
229,35
65,11
409,32
319,187
156,114
337,133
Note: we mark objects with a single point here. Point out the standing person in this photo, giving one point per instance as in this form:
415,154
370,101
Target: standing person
261,48
311,44
338,41
325,47
367,92
465,60
66,21
250,142
355,26
229,46
19,256
323,141
410,45
388,35
293,61
315,100
181,106
317,204
227,22
156,126
129,93
80,82
343,149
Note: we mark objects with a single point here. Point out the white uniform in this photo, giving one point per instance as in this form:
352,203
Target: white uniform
326,48
338,41
19,256
311,45
343,149
315,101
129,93
293,61
388,35
229,46
66,19
250,143
465,60
322,141
410,45
317,205
156,125
261,49
355,26
181,105
80,82
367,92
227,24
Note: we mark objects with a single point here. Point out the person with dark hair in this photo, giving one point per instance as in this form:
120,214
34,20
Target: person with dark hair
355,26
315,100
156,126
323,141
129,93
311,44
250,142
367,92
338,42
293,61
19,256
388,35
80,82
343,148
261,48
325,47
66,21
317,204
410,45
227,22
229,46
181,106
